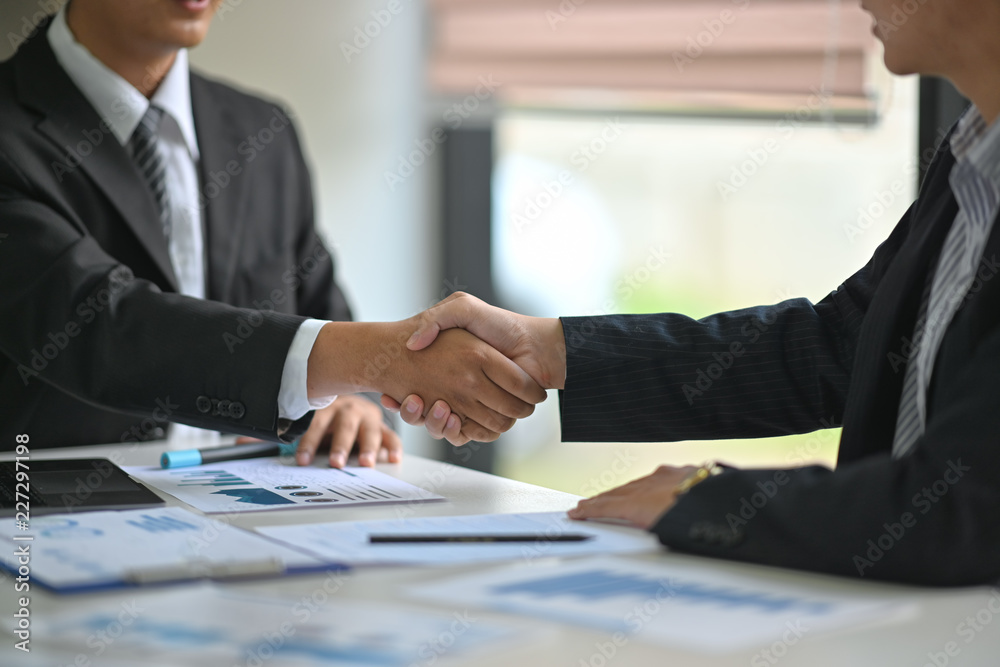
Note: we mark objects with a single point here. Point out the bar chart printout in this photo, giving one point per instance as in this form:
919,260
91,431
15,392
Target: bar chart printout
684,606
193,627
269,484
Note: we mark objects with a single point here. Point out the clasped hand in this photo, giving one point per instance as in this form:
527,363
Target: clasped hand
534,344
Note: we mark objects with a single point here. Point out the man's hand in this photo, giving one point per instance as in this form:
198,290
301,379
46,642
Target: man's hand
348,422
533,343
486,390
641,502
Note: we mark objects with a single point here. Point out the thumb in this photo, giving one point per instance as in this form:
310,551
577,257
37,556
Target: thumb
425,334
447,314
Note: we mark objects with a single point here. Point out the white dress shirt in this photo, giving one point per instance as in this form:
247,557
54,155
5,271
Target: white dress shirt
123,106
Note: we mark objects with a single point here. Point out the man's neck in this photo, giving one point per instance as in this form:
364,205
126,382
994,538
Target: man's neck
143,66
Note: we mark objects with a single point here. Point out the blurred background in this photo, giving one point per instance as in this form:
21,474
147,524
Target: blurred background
571,157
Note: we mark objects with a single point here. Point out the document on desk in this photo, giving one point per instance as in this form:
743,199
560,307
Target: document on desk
348,541
71,553
698,608
256,485
209,625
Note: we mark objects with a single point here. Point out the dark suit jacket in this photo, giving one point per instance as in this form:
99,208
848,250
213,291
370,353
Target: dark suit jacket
932,517
95,343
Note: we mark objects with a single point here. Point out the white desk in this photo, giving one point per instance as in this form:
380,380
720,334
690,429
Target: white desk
898,642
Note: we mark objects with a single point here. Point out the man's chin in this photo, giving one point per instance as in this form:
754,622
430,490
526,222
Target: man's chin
187,34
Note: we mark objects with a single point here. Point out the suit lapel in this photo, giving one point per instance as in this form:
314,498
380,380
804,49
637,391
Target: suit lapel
886,336
68,119
223,185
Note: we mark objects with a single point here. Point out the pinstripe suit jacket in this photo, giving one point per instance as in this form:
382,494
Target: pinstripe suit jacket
932,517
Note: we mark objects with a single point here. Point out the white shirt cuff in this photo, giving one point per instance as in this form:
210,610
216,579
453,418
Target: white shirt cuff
293,397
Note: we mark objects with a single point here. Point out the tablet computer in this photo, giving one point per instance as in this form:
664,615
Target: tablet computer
52,486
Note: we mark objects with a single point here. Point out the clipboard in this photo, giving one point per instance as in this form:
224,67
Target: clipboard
99,551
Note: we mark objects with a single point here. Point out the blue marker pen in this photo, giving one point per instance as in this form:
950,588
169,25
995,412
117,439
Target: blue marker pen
197,457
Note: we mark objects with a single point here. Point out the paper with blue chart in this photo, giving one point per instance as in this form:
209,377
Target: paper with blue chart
698,608
348,541
194,627
256,485
79,552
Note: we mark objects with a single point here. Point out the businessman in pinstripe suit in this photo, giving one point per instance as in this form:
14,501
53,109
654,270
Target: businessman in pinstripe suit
905,355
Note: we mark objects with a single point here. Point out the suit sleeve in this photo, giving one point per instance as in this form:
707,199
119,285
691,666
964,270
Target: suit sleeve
318,294
929,518
757,372
74,317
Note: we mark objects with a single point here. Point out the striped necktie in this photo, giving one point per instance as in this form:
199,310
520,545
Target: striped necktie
151,163
949,285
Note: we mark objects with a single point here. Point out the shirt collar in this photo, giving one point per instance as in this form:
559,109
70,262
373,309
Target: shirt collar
978,144
119,103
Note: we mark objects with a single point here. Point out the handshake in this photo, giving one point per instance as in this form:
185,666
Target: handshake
464,369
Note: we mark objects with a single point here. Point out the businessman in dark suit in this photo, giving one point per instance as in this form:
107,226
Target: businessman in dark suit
905,355
159,261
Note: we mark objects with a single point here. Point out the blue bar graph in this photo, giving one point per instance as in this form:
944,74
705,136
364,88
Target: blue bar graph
161,524
595,585
210,478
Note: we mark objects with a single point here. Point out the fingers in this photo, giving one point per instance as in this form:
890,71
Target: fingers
313,437
517,394
389,403
344,432
603,506
640,502
437,419
369,442
453,431
392,446
412,410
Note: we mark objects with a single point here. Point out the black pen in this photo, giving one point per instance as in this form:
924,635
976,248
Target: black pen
471,539
197,457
